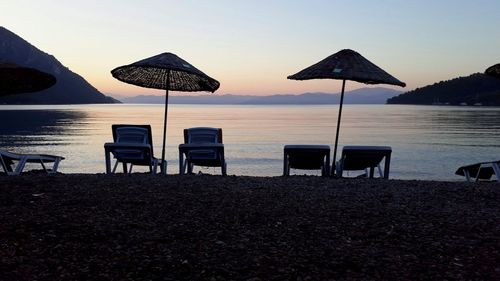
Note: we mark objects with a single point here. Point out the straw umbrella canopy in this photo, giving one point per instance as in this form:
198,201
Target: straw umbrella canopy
16,79
346,65
166,72
493,70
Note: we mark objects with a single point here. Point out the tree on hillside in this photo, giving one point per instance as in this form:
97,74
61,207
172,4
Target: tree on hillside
473,89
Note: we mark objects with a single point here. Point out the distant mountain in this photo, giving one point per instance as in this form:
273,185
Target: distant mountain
359,96
476,89
202,98
70,88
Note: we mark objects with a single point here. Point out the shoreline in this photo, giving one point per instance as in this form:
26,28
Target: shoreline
143,227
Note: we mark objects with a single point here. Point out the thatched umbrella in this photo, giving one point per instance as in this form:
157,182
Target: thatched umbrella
16,79
493,70
346,65
167,72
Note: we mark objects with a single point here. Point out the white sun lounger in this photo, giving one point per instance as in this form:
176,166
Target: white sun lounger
133,144
306,157
14,163
480,171
202,147
357,158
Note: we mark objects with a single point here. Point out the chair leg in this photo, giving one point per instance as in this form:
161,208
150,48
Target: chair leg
114,167
155,166
467,175
43,166
380,171
184,167
372,172
496,169
224,168
55,166
338,169
130,170
6,168
13,169
20,166
285,165
477,174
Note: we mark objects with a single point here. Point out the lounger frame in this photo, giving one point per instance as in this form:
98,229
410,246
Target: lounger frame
14,163
482,171
142,149
202,146
367,158
306,157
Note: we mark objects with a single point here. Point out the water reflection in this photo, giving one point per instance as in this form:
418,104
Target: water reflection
428,142
21,128
461,126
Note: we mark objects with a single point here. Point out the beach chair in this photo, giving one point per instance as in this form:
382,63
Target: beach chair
14,163
202,147
367,158
133,144
306,157
482,171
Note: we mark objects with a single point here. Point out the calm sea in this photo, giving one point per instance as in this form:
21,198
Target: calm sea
428,142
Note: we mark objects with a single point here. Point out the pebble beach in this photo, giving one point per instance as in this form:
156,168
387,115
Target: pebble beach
145,227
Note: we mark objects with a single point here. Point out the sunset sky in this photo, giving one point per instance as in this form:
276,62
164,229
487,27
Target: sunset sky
252,46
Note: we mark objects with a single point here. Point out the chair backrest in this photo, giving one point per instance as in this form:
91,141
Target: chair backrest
307,157
203,135
361,157
133,134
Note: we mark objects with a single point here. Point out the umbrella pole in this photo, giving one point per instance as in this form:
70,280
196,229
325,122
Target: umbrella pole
338,130
163,163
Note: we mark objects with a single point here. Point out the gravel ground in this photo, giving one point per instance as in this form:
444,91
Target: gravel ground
144,227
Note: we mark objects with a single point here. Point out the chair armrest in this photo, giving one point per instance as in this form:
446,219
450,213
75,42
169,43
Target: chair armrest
122,147
188,147
125,145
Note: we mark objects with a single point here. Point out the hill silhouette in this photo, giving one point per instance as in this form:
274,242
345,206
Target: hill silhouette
377,95
70,88
476,89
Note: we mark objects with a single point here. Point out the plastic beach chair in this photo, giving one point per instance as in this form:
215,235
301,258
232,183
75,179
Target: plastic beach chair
306,157
202,147
367,158
14,163
133,144
482,171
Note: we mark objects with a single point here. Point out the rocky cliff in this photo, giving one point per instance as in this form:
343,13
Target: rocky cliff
70,88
